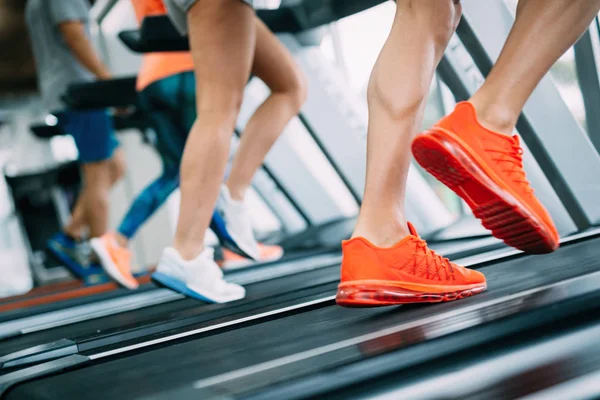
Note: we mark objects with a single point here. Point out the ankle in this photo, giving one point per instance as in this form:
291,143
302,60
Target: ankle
494,116
73,234
384,234
188,251
236,192
121,240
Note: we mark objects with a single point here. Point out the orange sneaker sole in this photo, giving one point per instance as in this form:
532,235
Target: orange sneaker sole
387,293
507,217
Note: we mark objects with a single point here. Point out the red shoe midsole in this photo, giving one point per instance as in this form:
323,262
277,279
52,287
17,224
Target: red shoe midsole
487,179
373,293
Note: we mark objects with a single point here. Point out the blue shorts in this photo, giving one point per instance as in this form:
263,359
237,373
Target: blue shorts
93,133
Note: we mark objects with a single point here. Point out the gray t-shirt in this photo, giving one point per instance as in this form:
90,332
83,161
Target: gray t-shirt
56,66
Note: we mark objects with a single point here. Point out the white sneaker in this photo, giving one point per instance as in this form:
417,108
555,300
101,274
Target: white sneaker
200,278
238,224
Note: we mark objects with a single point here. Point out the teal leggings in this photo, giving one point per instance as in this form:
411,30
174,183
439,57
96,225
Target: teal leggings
170,106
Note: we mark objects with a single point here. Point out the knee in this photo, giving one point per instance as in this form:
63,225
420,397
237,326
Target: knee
297,89
107,172
220,112
117,169
294,90
440,17
224,98
437,19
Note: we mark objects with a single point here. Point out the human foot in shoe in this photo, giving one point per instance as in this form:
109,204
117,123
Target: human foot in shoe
200,278
485,168
408,272
115,260
232,224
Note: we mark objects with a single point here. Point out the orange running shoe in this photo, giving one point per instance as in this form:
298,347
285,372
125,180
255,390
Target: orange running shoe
115,260
408,272
268,253
485,168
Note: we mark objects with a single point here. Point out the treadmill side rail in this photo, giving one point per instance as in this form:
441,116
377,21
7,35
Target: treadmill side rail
35,354
9,380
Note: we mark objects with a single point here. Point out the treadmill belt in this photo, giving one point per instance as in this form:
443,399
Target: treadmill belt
136,300
92,297
89,330
191,366
94,294
544,361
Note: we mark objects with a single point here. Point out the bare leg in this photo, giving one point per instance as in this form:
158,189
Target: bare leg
397,96
542,32
95,196
117,166
222,39
78,223
79,219
275,66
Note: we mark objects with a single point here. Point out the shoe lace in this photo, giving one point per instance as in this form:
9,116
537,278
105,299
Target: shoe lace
439,262
514,158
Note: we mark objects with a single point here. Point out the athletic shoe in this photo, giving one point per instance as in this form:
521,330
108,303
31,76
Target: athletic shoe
408,272
485,168
115,259
268,253
200,278
231,223
74,255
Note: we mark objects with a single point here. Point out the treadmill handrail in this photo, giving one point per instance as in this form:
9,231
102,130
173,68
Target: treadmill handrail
118,92
46,131
157,33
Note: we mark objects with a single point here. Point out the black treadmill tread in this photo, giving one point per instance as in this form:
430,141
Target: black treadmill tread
508,369
61,305
88,330
181,364
122,292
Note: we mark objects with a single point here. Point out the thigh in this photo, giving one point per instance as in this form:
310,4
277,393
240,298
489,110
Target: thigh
222,40
177,10
93,133
273,63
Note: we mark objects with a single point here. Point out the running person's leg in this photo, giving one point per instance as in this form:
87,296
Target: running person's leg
386,262
112,247
102,165
78,226
170,106
275,66
222,41
487,165
542,32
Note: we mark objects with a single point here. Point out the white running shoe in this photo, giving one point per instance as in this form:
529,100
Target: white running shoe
238,223
200,278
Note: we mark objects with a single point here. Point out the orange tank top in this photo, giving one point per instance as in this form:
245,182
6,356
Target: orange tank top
156,66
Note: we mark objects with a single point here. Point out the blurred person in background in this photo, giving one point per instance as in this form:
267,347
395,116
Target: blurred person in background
64,54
